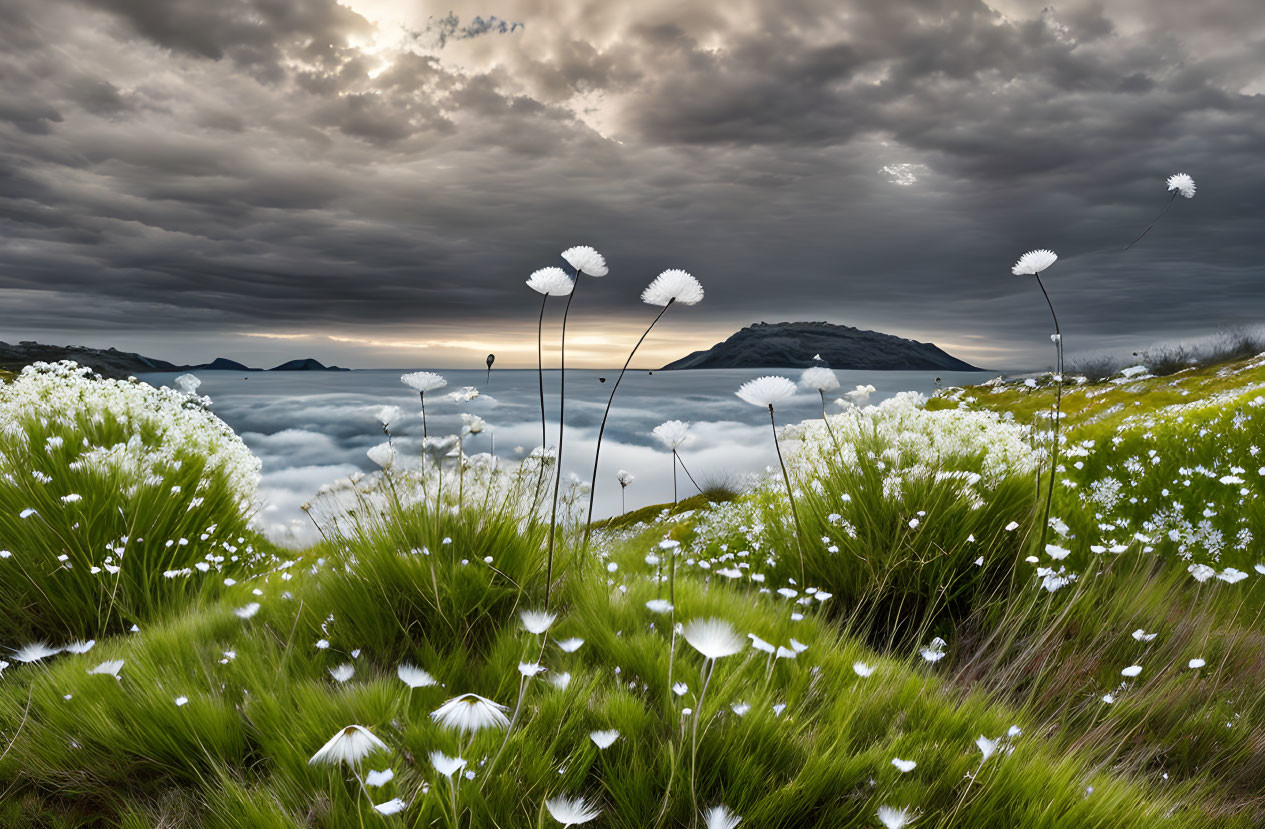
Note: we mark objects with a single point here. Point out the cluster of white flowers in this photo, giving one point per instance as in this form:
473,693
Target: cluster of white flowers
163,426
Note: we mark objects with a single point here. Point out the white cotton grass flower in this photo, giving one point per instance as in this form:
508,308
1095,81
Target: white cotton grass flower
986,746
423,381
1131,671
80,646
247,611
181,701
720,817
550,282
1034,262
1196,664
470,713
350,745
34,652
625,477
672,433
893,818
110,667
904,766
537,621
559,681
713,638
343,672
530,669
387,415
604,739
586,260
391,807
383,455
659,606
571,811
569,645
819,379
765,391
413,676
1182,183
673,286
862,670
379,778
445,765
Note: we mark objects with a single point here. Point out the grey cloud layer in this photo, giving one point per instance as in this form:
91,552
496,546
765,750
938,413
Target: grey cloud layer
249,165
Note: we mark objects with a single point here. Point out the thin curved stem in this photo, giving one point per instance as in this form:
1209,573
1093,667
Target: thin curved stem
1058,410
829,428
421,395
799,542
540,368
686,470
562,403
597,453
1171,199
674,462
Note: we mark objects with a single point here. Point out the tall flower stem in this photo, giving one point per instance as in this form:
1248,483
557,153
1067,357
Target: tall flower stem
826,420
698,715
562,403
1058,412
674,462
1171,199
421,395
597,453
540,368
686,470
799,542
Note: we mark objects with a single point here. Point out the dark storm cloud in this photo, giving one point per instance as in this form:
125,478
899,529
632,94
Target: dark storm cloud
263,165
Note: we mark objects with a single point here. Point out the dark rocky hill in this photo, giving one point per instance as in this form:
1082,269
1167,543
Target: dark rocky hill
110,362
796,344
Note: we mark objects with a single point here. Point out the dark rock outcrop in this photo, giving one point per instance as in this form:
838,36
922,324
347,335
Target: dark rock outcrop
307,364
796,344
112,363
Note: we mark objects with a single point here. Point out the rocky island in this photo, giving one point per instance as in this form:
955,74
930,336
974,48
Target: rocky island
804,344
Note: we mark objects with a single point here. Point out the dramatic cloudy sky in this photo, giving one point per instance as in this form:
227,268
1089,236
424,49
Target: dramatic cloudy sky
369,182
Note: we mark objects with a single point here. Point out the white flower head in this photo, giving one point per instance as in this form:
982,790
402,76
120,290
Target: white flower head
765,391
34,652
987,747
530,669
445,765
893,818
391,807
1195,664
673,286
383,455
550,282
343,672
672,433
862,669
247,611
713,638
423,381
905,766
571,811
379,778
1034,262
1131,671
472,424
470,713
719,817
80,646
188,383
387,415
413,676
659,606
110,667
1183,184
350,745
819,379
586,260
625,477
604,739
570,645
536,621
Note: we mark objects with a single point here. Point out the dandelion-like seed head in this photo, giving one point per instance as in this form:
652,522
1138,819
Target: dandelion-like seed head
765,391
413,676
1034,262
625,477
423,381
34,652
188,383
383,455
586,260
893,818
819,379
571,811
672,433
1183,184
445,765
470,713
110,667
536,621
673,286
350,745
604,739
713,638
550,282
719,817
387,415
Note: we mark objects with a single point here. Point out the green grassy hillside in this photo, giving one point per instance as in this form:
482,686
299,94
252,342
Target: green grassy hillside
943,660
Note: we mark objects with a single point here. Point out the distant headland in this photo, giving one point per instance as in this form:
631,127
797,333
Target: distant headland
804,344
110,362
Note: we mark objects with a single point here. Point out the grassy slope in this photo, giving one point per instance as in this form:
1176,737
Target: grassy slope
123,753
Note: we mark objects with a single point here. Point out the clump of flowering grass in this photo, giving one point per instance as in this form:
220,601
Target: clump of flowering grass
117,499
